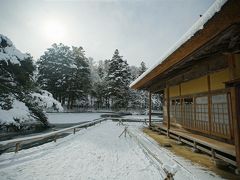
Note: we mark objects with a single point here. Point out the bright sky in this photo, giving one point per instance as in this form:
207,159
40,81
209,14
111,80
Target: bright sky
142,30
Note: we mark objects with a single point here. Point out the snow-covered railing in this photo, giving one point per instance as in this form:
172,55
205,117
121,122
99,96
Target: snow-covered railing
18,141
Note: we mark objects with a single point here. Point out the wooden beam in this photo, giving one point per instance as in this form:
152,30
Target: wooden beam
150,108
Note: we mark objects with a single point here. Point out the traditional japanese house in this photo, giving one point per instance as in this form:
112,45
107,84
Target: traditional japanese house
200,81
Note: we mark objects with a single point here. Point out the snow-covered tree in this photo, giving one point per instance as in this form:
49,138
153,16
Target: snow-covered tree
65,72
55,68
17,106
118,79
99,88
142,68
80,80
138,99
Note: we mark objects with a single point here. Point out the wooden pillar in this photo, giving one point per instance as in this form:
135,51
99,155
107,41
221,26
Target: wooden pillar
209,105
168,110
150,108
236,122
235,106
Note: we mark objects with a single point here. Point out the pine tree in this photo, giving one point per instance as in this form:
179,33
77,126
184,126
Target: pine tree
80,81
65,72
142,68
55,68
138,99
118,78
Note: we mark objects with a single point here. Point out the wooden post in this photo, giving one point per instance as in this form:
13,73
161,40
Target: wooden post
235,104
236,121
209,105
17,147
74,130
150,109
213,153
55,138
168,111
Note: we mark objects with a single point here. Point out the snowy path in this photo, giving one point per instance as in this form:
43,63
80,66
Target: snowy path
185,169
96,153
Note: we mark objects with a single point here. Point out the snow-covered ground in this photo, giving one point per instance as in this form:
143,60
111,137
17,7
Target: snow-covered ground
68,118
99,153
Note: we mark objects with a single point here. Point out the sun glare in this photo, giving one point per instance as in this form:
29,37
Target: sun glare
54,30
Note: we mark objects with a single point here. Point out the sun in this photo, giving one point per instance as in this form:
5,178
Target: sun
54,30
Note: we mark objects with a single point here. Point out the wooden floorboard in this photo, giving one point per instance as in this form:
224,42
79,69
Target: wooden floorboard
211,143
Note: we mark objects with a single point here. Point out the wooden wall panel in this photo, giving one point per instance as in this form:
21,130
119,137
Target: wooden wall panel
198,85
174,91
237,65
218,79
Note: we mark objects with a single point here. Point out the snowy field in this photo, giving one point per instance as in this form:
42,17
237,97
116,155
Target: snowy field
68,118
99,153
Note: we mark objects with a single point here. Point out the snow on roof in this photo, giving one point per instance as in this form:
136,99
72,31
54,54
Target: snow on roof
198,25
8,51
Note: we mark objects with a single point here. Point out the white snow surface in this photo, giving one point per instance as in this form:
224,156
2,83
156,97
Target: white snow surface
10,53
68,118
18,111
198,25
99,153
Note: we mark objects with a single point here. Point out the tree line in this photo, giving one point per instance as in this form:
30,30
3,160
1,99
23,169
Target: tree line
78,81
64,76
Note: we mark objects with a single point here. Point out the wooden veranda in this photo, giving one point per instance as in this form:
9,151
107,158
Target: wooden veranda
200,83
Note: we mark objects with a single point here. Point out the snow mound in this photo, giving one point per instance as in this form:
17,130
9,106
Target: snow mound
9,53
198,25
16,115
45,100
171,169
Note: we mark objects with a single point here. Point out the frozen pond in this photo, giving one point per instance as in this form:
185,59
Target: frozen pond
70,118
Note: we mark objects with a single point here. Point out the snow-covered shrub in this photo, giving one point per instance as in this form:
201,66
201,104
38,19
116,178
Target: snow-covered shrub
45,100
16,114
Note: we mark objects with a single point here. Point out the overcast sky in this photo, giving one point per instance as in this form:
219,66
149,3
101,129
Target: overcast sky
142,30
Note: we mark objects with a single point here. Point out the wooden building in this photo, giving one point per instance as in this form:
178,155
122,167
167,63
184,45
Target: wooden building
200,80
